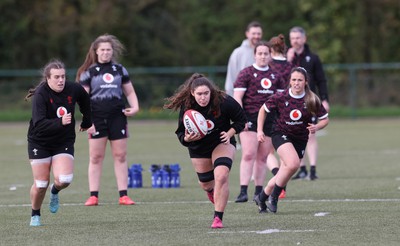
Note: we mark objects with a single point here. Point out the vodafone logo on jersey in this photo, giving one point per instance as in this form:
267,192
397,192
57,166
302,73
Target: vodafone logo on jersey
210,125
295,114
266,83
108,78
61,111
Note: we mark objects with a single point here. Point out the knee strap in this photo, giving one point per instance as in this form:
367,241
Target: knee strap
223,161
206,177
66,178
41,183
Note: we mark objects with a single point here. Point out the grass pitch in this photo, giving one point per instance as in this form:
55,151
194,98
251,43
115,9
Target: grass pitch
356,201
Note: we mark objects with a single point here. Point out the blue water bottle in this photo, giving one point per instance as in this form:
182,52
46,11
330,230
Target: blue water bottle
156,179
166,176
135,176
129,178
175,178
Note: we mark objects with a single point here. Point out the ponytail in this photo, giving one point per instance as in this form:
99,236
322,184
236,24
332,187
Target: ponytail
53,64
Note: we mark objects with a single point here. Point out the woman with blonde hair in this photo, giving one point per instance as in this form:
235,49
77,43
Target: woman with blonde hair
107,82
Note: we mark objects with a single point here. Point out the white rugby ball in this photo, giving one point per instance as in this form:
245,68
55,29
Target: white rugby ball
194,121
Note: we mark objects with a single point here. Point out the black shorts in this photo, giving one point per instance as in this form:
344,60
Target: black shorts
206,151
114,128
299,145
36,151
269,121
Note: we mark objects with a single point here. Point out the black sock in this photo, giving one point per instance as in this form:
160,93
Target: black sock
54,190
276,191
303,169
243,189
35,212
275,171
312,170
123,193
263,197
258,189
94,193
218,214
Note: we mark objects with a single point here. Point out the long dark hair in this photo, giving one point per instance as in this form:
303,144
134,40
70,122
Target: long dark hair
53,64
183,95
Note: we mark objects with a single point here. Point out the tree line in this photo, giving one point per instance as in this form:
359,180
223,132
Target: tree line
193,32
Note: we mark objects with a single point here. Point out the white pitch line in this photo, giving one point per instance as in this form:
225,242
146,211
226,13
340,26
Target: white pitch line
201,202
346,200
267,231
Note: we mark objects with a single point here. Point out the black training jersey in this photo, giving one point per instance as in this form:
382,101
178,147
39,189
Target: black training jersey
232,116
48,107
258,84
105,81
292,115
315,71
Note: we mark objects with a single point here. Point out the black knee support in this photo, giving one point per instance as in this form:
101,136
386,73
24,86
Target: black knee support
206,177
223,161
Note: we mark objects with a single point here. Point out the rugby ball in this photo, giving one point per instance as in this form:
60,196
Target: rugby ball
194,121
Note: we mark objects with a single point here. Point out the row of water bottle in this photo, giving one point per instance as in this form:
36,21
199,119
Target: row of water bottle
162,176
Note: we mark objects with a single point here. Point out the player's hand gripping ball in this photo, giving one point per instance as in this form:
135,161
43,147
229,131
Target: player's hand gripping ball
195,122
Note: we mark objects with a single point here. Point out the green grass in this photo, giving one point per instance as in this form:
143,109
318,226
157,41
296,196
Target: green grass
358,192
9,114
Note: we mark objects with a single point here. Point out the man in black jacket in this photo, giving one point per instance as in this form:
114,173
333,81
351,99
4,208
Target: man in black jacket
300,55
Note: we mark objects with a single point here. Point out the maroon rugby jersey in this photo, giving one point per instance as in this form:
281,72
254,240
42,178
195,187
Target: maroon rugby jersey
292,115
259,84
283,68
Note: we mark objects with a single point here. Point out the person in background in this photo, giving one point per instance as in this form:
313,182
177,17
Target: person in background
279,62
296,109
242,56
282,66
300,55
51,134
212,156
107,82
253,86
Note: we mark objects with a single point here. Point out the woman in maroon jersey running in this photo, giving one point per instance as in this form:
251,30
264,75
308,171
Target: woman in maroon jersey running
296,109
253,86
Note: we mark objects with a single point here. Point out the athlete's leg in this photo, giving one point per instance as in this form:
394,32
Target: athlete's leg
249,143
97,148
63,170
205,172
290,163
312,152
260,166
118,149
222,156
41,177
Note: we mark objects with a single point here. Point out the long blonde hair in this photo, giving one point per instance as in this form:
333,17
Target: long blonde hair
91,56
